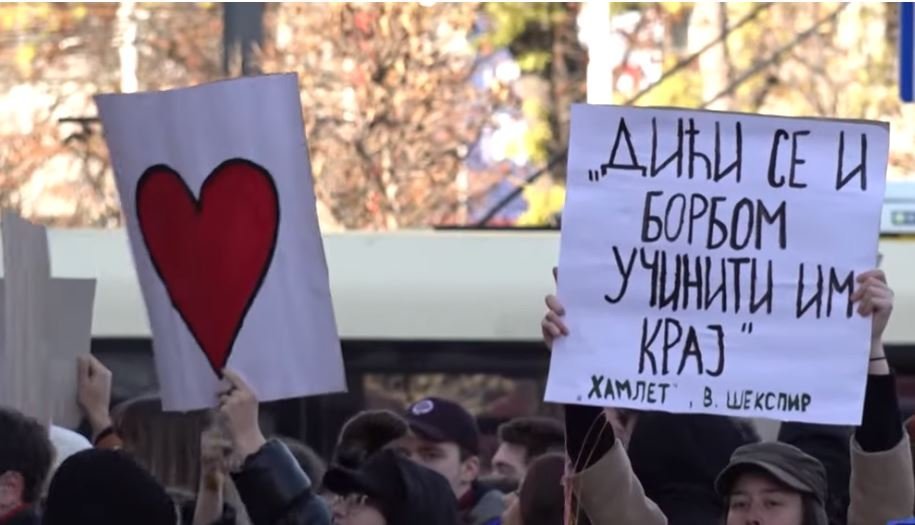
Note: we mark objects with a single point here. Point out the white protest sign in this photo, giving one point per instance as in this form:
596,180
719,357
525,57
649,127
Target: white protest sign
47,323
708,259
26,306
216,186
69,334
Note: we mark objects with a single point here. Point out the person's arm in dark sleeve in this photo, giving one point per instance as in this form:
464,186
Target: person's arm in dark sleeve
589,436
275,490
881,423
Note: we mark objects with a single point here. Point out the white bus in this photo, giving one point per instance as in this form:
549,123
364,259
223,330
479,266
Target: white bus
416,310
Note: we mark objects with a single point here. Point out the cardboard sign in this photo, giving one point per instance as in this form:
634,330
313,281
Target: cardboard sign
69,335
216,186
47,323
26,308
708,260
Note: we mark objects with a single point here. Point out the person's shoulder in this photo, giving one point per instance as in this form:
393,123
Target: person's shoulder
489,508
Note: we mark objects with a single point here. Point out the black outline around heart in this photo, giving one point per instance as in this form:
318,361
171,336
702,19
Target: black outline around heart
198,205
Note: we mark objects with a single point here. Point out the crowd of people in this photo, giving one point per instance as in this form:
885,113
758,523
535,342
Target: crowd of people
599,466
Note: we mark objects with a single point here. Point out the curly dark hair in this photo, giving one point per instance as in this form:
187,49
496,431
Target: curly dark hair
25,448
537,435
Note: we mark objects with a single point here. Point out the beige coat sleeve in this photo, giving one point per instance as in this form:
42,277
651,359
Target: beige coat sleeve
610,493
882,486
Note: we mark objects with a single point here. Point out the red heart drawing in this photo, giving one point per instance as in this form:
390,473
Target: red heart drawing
211,253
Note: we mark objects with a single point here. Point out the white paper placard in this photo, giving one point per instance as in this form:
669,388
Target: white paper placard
26,308
69,333
216,186
708,259
47,323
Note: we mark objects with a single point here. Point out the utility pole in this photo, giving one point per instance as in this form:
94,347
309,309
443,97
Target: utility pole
595,31
127,46
242,37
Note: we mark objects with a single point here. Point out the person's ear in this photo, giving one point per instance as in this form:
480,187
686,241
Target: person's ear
12,489
470,469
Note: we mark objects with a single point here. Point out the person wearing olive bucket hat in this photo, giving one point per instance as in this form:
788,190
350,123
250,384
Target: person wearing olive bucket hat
773,483
766,484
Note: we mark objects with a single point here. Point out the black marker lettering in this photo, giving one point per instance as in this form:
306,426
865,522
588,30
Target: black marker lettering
648,219
691,349
698,205
837,287
860,170
721,291
776,181
795,161
670,341
672,299
779,218
738,156
691,132
650,393
595,386
816,299
677,198
719,331
694,283
654,267
716,224
663,387
766,299
736,263
742,204
608,390
677,154
733,402
623,386
646,347
625,270
622,134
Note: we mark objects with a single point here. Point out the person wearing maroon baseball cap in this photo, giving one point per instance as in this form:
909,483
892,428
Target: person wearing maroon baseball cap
444,437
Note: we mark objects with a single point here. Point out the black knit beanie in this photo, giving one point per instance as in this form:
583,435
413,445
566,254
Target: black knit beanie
106,487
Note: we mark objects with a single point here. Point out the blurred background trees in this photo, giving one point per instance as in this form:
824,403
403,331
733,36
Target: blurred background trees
423,114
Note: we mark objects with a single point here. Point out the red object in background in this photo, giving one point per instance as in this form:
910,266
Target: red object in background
211,253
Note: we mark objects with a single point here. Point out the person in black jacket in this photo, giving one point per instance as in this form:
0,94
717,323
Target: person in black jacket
272,486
